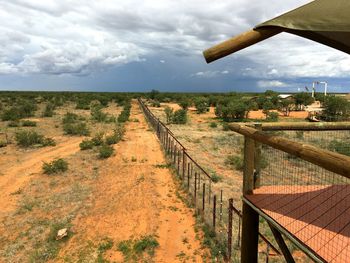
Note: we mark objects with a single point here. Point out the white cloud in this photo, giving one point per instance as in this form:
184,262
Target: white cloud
84,36
271,84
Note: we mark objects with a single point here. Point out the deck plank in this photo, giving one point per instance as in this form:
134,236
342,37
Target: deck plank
319,216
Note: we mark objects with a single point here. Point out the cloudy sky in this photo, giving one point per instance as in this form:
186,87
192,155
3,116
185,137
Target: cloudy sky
136,45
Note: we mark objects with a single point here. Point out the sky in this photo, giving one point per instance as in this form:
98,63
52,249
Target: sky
135,45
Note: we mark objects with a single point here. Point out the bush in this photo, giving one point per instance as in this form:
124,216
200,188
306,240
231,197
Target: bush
13,124
28,123
213,125
70,118
79,128
97,140
56,166
169,113
272,116
225,126
86,145
235,161
49,110
202,105
125,114
29,138
98,115
11,114
180,117
105,151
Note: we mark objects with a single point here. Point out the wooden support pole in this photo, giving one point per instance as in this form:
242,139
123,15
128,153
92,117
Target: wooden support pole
239,42
250,218
195,189
183,164
280,241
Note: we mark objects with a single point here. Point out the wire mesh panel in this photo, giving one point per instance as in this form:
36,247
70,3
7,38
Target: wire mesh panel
307,200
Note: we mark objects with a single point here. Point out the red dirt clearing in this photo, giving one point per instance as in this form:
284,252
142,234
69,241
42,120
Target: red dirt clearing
134,197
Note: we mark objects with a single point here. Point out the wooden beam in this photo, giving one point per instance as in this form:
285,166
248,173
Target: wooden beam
328,160
239,42
305,126
280,241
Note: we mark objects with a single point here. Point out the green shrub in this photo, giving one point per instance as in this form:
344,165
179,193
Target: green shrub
272,116
48,142
49,110
105,151
13,124
98,115
117,135
215,178
97,140
56,166
180,117
28,123
79,128
30,138
169,113
83,105
70,118
236,161
125,114
225,126
11,114
86,145
213,125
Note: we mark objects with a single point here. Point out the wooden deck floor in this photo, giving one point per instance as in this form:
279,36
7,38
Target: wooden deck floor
319,216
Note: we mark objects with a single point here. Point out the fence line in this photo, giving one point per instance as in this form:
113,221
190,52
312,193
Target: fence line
198,183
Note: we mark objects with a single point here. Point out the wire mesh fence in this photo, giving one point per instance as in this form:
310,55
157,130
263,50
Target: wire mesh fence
222,219
300,189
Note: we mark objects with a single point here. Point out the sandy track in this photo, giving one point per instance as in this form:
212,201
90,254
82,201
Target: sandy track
132,198
16,175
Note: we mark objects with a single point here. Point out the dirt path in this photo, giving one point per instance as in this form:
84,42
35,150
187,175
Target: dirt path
16,175
134,197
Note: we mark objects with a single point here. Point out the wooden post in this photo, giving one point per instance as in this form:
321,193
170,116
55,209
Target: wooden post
214,212
280,241
175,152
178,163
250,218
257,159
221,205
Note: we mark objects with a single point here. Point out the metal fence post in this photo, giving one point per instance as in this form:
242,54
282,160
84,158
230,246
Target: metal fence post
214,212
195,189
229,230
203,198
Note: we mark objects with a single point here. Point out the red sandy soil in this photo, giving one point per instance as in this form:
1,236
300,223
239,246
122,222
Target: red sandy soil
135,198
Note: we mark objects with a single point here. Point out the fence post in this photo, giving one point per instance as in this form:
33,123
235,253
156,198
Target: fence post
214,212
175,152
188,175
178,163
257,159
183,164
221,205
203,198
250,218
195,189
199,180
229,230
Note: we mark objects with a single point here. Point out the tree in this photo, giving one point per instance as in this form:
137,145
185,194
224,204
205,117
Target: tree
201,104
303,99
185,103
268,105
169,114
180,116
286,106
336,109
153,94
